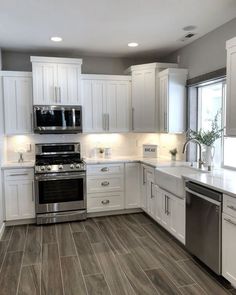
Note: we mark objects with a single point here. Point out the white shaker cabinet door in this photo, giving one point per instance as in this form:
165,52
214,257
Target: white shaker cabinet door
69,84
144,101
117,105
45,91
12,204
228,248
27,202
17,94
177,217
132,185
93,106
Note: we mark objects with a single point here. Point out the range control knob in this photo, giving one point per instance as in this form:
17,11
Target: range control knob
49,167
42,168
78,166
60,167
72,166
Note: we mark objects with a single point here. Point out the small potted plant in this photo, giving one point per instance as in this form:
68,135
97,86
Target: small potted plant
173,153
207,138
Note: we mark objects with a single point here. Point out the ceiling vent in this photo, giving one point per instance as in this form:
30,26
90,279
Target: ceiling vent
187,37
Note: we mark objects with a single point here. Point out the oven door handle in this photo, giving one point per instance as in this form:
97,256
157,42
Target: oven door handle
38,178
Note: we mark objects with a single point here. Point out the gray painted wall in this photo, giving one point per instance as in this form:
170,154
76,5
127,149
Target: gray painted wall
20,61
206,54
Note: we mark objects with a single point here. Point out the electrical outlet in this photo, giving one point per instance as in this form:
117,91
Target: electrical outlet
28,147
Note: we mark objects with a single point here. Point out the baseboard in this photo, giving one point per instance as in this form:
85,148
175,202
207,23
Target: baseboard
2,230
20,222
115,212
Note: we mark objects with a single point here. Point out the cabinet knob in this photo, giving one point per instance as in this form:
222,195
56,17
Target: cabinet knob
105,202
105,183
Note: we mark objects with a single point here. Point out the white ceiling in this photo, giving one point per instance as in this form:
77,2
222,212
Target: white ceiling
104,27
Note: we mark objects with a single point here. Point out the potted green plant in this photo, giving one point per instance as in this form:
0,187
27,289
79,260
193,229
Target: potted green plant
207,138
173,153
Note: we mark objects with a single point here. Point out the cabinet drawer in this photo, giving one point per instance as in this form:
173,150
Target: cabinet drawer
105,169
105,184
18,174
105,202
229,205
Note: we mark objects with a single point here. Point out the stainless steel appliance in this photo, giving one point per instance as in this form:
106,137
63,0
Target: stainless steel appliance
57,119
203,224
60,183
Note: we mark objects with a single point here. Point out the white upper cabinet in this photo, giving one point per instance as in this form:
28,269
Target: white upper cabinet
172,100
231,88
145,96
56,81
17,95
106,103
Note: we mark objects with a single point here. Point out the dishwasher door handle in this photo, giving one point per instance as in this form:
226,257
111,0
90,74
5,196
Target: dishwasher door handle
203,197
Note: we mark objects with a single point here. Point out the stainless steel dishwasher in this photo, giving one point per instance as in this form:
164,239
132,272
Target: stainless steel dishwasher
203,224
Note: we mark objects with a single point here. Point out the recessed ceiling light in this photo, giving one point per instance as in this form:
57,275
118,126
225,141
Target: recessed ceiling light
189,28
132,44
56,39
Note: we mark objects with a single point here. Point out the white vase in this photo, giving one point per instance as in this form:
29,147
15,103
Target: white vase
208,153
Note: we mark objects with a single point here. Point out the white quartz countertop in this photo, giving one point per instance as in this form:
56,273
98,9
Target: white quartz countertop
154,162
223,180
16,165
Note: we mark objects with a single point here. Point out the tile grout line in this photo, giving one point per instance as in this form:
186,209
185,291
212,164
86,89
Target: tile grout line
41,260
121,270
6,250
77,255
102,272
59,258
26,236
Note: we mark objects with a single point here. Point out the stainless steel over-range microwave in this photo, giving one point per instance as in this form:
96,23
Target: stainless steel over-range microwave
57,119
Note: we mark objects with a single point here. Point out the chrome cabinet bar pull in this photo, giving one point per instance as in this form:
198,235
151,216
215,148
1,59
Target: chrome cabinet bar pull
144,181
105,169
232,207
105,202
108,122
230,221
105,183
132,118
32,191
165,204
151,190
18,174
59,90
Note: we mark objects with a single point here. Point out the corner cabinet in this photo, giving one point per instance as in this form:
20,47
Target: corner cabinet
231,88
17,96
172,100
106,103
56,81
19,194
132,185
145,96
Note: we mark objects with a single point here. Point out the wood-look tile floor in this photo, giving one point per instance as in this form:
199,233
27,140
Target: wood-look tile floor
116,255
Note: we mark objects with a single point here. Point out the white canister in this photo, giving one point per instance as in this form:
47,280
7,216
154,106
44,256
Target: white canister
107,152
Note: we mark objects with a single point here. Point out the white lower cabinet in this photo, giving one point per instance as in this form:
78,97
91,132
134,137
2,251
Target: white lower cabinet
147,177
151,200
170,212
228,247
19,194
105,187
132,185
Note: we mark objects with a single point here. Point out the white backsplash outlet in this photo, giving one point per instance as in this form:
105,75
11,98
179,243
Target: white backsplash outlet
129,144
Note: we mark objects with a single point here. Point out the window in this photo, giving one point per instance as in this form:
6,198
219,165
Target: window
210,103
211,98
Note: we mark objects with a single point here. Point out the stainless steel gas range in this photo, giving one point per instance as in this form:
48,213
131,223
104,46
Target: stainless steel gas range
60,183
